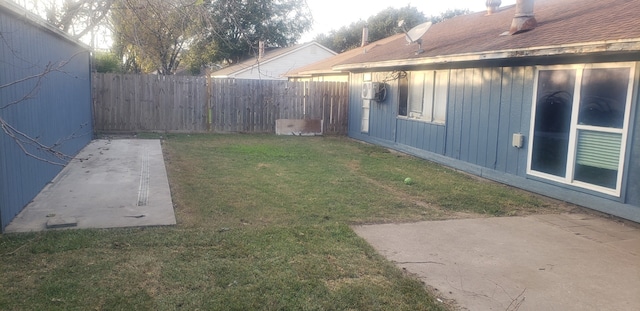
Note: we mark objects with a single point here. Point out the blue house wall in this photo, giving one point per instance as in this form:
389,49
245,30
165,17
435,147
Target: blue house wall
54,108
485,107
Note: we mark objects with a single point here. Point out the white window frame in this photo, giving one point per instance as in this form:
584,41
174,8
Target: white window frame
575,127
427,96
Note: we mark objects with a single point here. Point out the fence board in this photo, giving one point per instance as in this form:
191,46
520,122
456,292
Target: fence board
136,103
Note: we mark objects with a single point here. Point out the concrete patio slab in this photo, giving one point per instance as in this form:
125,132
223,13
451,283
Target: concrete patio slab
544,262
110,183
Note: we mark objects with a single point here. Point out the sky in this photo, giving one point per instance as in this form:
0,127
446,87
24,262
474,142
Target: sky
332,14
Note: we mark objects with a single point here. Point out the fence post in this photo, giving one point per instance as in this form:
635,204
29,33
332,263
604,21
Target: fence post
208,98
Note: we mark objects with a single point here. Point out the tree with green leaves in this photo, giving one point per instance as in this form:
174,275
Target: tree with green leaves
381,25
158,35
235,28
106,62
151,35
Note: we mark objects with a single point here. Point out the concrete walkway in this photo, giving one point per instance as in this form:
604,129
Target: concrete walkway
542,262
111,183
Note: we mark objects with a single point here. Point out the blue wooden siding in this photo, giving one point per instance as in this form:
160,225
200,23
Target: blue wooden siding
58,111
421,135
633,187
633,178
355,105
485,110
486,106
382,114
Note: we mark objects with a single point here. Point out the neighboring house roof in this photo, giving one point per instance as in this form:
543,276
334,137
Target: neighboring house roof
564,27
326,66
269,57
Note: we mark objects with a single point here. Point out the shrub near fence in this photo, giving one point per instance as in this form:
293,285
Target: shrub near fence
138,103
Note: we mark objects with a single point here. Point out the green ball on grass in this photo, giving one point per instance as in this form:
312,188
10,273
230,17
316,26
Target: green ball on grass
408,181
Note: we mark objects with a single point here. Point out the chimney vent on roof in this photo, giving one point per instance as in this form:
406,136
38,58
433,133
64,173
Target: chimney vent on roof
524,19
365,35
493,6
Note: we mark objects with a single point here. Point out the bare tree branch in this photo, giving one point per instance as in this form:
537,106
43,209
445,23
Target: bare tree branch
34,90
48,68
25,141
77,18
32,146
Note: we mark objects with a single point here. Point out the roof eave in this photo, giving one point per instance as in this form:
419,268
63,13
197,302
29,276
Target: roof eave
297,76
318,72
557,50
254,62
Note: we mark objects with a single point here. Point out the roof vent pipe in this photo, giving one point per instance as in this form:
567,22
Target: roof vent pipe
524,19
493,6
260,49
365,35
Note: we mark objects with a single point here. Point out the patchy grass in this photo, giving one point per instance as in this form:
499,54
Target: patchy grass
263,225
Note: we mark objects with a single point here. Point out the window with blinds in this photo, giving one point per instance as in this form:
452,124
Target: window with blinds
599,149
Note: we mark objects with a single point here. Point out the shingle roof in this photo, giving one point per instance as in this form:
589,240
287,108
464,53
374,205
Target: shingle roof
561,23
268,56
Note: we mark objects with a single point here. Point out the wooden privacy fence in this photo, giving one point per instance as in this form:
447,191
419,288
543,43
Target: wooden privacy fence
138,103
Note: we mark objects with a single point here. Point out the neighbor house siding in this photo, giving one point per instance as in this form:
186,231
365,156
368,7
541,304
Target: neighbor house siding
274,69
58,110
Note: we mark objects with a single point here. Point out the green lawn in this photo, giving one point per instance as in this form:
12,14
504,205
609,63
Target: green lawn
263,224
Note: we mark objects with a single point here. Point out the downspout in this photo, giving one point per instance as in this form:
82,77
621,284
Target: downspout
523,19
